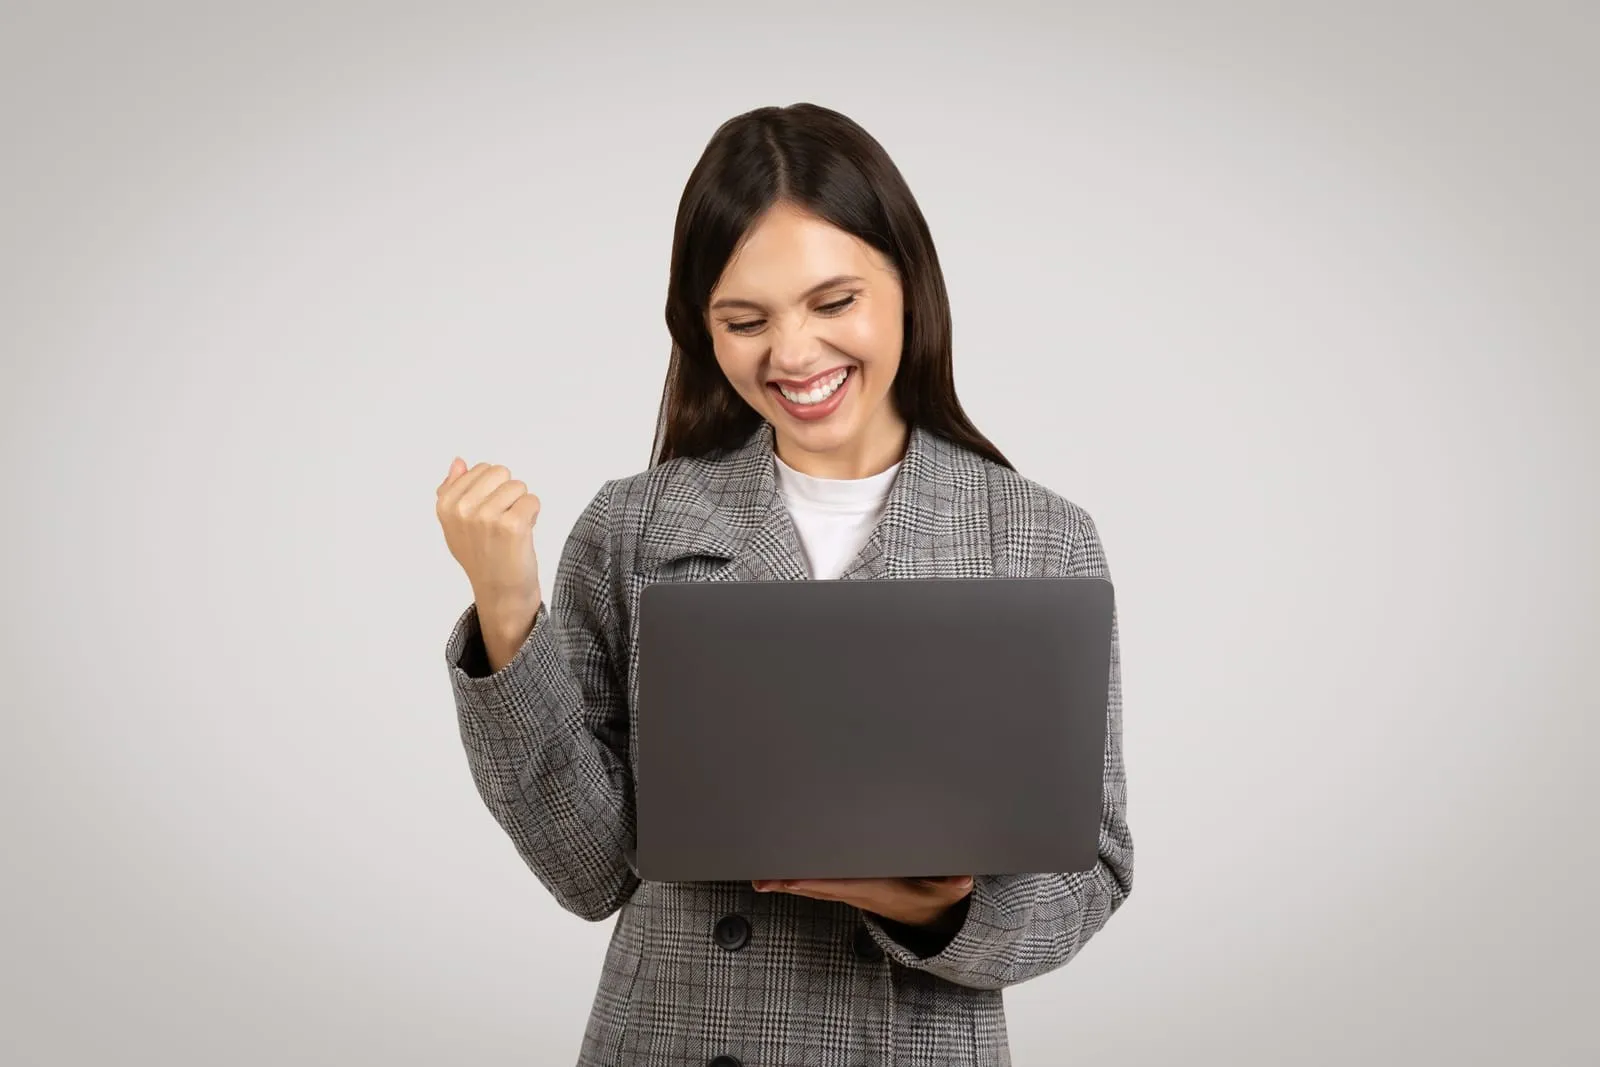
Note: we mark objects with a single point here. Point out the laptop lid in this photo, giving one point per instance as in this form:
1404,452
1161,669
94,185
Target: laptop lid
871,728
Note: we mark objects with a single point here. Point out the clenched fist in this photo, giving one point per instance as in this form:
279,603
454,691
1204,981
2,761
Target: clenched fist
488,519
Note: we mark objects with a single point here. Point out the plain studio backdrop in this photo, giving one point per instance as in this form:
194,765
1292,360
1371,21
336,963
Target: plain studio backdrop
1301,307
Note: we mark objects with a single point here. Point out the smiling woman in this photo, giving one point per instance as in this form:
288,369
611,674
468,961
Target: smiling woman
800,255
817,361
809,427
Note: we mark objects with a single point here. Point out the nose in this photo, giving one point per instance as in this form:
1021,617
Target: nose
794,353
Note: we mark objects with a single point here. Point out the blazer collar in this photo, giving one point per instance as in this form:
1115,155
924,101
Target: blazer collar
935,521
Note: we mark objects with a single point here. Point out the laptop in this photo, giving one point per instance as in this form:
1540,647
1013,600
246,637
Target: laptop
870,728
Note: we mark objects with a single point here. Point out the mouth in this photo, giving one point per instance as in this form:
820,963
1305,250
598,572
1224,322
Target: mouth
817,396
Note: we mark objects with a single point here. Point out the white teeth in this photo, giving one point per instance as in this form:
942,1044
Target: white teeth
817,393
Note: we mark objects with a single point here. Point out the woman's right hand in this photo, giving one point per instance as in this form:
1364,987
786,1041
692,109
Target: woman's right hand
488,519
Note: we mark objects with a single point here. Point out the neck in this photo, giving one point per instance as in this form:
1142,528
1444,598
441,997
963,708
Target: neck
871,453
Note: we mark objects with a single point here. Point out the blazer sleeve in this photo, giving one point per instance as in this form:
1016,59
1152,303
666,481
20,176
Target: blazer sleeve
1014,927
546,736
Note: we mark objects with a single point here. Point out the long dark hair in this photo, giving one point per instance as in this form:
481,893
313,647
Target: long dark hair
826,164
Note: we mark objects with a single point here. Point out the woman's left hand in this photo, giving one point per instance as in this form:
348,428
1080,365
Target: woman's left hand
912,901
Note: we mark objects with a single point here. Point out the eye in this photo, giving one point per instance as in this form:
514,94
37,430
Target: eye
751,326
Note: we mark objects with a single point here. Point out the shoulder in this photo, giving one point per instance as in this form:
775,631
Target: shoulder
681,506
677,481
1037,529
679,490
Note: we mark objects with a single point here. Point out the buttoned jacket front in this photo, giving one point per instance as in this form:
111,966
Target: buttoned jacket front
719,974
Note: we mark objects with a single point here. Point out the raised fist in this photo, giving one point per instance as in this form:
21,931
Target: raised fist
488,519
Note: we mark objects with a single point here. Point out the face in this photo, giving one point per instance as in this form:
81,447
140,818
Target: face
807,324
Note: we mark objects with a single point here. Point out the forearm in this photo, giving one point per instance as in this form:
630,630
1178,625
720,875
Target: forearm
503,628
566,815
554,782
1013,928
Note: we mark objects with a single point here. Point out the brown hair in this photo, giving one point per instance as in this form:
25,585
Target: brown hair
827,165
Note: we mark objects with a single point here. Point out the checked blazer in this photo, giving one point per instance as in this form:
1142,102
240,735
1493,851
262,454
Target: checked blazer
719,975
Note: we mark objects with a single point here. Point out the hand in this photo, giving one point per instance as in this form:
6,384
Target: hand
912,901
488,519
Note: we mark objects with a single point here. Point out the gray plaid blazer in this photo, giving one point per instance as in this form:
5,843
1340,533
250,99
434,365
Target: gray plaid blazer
718,975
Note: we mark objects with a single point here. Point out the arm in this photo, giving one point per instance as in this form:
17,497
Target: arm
1015,927
546,735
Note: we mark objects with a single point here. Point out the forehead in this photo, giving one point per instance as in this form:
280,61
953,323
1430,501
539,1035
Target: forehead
788,249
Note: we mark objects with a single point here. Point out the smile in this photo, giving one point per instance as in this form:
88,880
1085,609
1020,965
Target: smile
813,390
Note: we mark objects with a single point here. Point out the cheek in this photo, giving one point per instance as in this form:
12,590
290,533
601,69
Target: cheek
739,363
873,339
735,363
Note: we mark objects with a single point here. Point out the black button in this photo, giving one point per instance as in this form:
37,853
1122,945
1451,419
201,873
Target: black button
725,1061
732,933
865,946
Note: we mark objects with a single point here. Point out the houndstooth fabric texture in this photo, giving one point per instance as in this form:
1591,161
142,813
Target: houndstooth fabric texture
547,740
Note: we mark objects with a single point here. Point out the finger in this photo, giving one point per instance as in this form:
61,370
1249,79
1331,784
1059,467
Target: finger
820,891
450,497
840,884
954,883
953,889
946,890
845,890
477,484
458,467
779,885
502,497
524,512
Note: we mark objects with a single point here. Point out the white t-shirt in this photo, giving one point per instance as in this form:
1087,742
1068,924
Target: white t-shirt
834,517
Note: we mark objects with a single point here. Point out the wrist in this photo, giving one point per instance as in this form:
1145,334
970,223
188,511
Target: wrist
505,627
502,614
946,918
933,917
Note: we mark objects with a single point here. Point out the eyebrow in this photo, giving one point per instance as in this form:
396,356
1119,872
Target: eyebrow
822,286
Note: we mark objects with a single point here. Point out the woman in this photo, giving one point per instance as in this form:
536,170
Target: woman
809,429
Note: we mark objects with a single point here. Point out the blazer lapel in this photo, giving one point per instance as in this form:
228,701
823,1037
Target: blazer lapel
767,545
935,523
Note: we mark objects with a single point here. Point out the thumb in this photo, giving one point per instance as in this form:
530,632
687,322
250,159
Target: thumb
458,467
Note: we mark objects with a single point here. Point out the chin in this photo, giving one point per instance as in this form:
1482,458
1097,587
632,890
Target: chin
826,441
825,436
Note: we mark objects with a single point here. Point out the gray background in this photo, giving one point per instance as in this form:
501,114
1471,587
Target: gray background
1298,301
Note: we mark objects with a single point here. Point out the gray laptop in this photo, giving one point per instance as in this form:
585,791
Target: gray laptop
870,728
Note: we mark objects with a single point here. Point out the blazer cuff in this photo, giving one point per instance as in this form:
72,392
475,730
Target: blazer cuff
927,941
981,934
511,695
